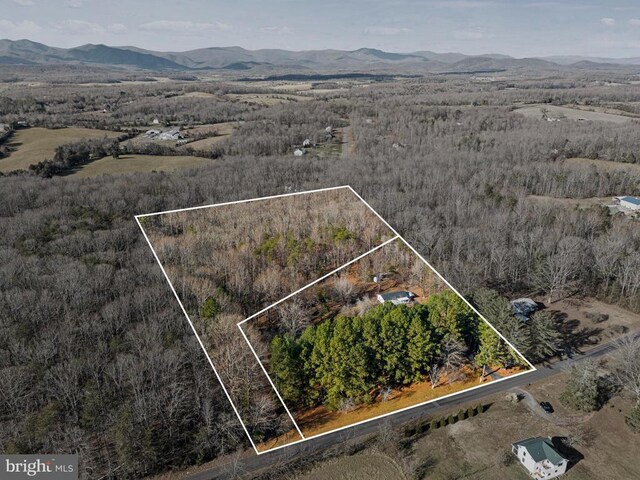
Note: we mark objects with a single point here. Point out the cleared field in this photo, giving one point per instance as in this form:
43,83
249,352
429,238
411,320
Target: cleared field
36,144
582,310
199,95
221,131
365,466
267,99
137,163
568,113
478,446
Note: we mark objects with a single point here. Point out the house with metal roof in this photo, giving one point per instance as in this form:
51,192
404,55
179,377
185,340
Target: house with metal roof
397,298
540,458
631,203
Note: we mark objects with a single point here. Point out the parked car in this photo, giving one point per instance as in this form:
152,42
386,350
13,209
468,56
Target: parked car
546,406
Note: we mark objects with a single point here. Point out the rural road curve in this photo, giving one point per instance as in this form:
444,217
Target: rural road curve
257,462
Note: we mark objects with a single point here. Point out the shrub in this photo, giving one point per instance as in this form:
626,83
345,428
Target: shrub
632,419
597,317
585,389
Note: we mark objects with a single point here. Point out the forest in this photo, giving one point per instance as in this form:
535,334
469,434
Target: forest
351,360
96,356
227,262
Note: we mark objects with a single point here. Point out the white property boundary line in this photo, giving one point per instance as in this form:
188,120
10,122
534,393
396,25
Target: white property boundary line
137,217
196,334
252,200
332,272
397,236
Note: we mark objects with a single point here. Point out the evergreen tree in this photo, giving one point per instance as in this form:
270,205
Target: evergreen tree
499,312
493,350
544,337
451,315
585,389
422,346
287,368
632,419
393,334
320,359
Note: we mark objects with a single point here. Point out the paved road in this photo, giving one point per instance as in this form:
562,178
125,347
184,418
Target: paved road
257,462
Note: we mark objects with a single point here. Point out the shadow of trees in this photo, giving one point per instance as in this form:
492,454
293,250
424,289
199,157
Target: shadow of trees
573,336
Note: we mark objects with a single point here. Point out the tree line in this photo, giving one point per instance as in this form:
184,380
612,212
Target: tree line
351,360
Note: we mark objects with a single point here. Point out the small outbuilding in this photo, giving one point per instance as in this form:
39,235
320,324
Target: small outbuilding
397,298
298,153
540,457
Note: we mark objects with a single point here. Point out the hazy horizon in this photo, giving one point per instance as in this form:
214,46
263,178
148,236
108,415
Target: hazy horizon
519,28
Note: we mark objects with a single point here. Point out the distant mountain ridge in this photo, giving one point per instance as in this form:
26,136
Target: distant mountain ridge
27,52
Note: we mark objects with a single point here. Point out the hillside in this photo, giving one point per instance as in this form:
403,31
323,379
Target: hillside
26,52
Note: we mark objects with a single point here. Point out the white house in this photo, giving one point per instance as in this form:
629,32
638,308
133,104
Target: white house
306,143
631,203
298,153
539,457
396,298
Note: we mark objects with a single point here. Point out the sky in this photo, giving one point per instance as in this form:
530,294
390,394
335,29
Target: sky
521,28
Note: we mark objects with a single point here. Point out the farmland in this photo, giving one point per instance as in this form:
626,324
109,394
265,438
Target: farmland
33,145
137,163
555,112
474,185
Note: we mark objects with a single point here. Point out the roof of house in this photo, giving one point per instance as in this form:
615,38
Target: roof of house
523,308
541,448
396,295
634,200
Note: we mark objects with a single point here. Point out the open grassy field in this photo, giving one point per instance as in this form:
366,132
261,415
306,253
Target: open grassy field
36,144
267,99
364,466
475,448
568,113
137,163
221,130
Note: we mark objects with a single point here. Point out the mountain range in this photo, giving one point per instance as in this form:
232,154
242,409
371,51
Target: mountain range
26,52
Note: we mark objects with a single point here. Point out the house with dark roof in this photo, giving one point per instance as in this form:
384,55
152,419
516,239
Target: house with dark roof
523,308
540,458
397,298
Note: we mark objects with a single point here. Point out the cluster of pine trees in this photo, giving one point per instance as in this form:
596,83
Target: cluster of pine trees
349,360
